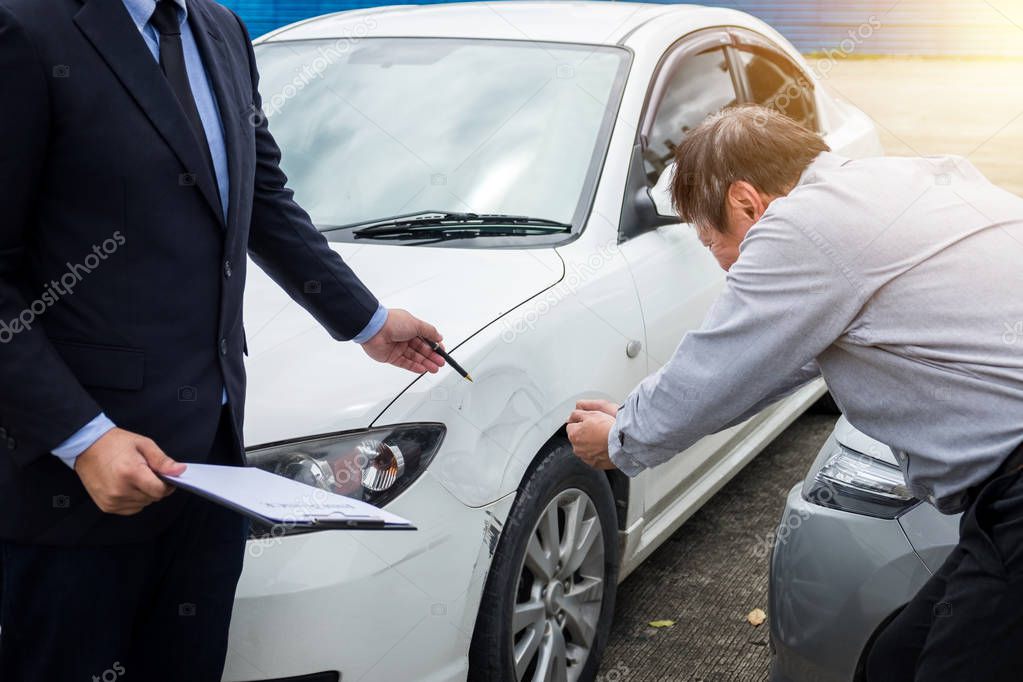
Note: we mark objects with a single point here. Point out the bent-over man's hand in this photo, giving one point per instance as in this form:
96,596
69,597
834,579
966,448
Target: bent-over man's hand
119,472
398,343
588,431
605,406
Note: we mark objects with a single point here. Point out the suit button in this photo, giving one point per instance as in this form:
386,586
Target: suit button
223,346
227,269
12,444
3,433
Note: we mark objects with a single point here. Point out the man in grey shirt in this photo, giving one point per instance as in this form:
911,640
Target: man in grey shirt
897,279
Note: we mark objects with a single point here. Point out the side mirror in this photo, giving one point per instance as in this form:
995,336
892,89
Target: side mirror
645,208
660,194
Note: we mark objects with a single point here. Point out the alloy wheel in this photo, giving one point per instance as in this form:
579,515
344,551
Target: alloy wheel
560,590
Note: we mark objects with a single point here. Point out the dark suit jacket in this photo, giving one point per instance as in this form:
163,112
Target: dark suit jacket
103,179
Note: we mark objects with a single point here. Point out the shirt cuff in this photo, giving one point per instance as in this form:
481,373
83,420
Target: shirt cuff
616,451
81,441
375,324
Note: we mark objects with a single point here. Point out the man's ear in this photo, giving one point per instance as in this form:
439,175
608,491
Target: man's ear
742,201
745,202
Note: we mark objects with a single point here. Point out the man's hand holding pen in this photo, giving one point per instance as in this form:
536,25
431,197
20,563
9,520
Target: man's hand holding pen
403,342
588,429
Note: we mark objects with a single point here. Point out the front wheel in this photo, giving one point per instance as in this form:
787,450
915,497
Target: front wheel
547,605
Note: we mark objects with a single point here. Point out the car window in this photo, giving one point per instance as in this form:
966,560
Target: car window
392,126
700,85
775,82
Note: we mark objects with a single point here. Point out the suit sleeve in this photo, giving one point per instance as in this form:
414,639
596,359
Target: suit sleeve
41,402
284,242
786,300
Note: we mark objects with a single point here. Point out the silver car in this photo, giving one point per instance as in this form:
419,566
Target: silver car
852,548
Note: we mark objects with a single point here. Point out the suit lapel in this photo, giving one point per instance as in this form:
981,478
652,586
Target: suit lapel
108,26
219,72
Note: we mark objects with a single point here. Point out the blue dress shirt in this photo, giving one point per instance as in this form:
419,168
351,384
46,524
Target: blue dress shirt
205,101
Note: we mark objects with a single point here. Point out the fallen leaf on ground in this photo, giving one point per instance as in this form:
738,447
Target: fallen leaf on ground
756,617
661,623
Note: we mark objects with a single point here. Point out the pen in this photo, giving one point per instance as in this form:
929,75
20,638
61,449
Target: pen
448,359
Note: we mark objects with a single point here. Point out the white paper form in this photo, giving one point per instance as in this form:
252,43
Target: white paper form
277,500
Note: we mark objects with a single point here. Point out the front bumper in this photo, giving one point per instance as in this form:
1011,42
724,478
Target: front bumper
835,578
370,605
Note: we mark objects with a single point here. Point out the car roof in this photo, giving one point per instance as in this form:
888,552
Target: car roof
596,23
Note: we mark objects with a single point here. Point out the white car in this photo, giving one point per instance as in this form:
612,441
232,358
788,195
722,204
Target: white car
498,169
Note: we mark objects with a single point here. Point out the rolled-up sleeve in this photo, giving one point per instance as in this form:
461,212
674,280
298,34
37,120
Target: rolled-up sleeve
787,298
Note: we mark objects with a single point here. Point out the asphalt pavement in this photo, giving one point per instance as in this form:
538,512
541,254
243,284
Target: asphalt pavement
710,575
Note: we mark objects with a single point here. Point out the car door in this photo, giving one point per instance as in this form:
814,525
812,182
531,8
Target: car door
675,276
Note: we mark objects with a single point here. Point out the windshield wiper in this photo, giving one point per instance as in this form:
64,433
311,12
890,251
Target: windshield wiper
446,225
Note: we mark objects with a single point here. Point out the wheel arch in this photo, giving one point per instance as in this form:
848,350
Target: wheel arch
618,481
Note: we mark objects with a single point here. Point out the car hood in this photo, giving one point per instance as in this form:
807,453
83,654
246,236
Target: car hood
302,382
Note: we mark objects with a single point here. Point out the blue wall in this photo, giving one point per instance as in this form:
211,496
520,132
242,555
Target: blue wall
920,27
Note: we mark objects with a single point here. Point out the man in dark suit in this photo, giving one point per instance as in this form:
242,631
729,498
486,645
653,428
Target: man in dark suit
137,174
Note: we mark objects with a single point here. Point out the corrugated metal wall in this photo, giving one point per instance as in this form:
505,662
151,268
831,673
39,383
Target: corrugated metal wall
918,27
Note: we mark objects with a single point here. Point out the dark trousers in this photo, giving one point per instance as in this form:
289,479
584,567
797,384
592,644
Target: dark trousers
144,612
966,623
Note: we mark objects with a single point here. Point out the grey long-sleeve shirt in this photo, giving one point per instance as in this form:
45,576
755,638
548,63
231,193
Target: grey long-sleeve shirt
902,278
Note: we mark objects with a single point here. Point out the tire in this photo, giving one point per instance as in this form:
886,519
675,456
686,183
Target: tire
559,611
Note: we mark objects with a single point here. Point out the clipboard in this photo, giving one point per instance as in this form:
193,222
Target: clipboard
275,500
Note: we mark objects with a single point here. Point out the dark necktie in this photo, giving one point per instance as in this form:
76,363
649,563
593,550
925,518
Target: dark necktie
172,61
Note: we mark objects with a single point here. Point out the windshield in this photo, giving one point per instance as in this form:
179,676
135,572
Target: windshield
389,126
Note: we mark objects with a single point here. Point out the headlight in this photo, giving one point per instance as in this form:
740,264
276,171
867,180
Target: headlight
855,482
374,465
